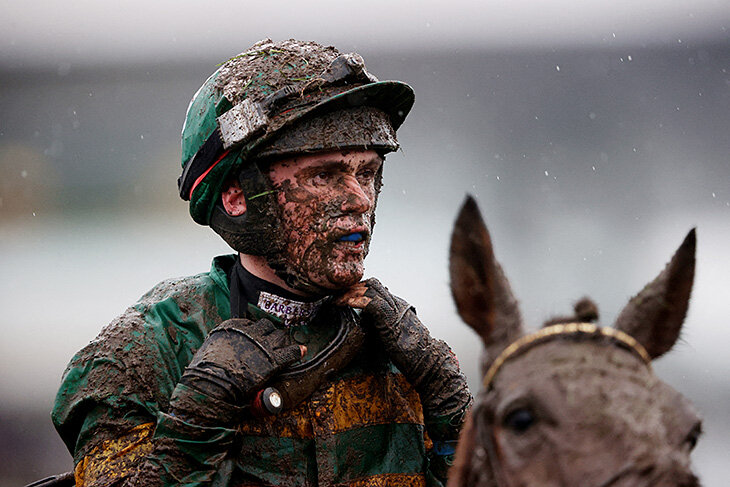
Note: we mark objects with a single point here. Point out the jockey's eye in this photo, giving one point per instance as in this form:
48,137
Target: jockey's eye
322,177
519,420
366,175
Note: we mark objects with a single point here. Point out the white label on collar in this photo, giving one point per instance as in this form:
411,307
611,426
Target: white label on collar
291,312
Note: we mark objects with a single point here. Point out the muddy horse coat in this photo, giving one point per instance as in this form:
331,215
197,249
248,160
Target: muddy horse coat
572,405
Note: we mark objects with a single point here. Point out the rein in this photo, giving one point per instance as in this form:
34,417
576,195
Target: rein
568,329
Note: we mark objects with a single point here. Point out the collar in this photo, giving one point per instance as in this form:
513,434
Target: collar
247,289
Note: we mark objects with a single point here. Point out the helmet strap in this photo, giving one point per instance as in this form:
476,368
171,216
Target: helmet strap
256,232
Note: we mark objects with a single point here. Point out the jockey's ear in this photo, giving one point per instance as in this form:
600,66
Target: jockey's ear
654,317
481,291
234,202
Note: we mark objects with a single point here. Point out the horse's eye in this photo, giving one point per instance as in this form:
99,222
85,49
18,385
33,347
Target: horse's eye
519,420
693,436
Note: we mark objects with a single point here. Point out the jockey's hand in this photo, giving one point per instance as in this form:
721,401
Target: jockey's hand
428,364
236,359
385,312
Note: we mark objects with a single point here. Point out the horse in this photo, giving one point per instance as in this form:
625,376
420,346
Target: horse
573,404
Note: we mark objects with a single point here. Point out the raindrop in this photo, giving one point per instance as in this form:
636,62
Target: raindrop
713,195
557,68
592,116
497,178
546,173
630,58
23,174
404,192
34,213
593,167
141,136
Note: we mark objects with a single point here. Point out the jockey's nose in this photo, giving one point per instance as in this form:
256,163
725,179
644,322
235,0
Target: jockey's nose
355,198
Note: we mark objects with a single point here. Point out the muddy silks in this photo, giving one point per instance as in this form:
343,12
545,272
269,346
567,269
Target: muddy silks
329,348
363,426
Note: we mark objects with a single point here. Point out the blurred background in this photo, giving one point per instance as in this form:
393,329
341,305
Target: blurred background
593,133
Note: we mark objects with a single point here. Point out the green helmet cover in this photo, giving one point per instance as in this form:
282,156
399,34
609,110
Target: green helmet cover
267,90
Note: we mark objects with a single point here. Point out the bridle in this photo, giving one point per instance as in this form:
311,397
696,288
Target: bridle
588,330
522,344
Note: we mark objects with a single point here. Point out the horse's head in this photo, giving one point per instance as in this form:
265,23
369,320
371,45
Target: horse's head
572,405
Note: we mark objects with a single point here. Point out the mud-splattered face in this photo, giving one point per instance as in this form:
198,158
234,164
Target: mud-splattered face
327,204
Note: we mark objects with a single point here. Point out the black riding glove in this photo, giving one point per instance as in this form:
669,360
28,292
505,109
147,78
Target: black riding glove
233,363
428,364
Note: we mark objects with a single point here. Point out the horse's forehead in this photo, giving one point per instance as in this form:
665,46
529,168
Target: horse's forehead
581,362
605,380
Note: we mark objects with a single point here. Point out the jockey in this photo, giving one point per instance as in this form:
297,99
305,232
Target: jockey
279,366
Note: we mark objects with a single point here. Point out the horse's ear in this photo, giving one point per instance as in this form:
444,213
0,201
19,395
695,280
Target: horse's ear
654,316
482,294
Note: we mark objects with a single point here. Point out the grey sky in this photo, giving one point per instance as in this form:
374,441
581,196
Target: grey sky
91,32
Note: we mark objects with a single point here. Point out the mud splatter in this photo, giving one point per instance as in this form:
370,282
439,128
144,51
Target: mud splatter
328,206
296,61
577,408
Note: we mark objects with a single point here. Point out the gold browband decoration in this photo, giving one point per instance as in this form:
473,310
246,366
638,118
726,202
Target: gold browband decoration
527,341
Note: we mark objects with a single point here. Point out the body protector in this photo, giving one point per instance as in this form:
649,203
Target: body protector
274,100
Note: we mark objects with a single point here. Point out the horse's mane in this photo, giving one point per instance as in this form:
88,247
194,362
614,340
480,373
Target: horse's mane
586,311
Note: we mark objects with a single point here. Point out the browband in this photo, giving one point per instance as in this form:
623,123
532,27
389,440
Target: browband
567,329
